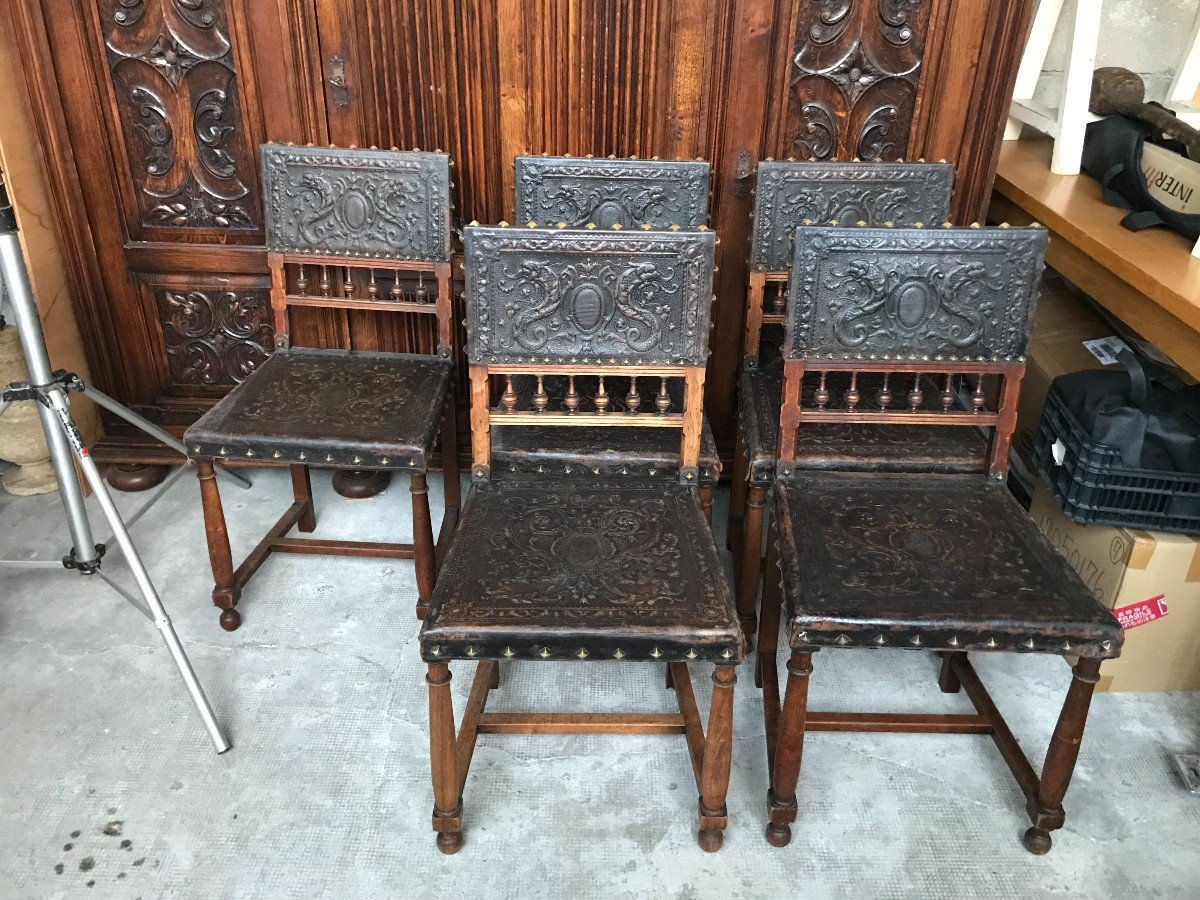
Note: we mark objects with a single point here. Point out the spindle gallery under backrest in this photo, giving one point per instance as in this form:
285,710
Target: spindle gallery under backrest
158,203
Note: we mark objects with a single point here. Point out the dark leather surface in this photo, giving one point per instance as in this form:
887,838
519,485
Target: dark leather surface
937,563
579,190
906,293
330,408
370,204
607,451
560,568
849,447
788,193
634,298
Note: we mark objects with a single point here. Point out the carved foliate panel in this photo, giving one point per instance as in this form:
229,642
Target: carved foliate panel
937,293
382,204
215,337
789,193
606,192
176,88
546,295
855,69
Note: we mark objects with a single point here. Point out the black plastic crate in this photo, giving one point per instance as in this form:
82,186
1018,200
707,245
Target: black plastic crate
1094,486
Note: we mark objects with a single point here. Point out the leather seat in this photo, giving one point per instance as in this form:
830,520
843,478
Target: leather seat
331,408
939,563
559,568
848,447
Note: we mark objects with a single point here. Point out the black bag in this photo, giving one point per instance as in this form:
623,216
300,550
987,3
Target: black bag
1112,154
1123,448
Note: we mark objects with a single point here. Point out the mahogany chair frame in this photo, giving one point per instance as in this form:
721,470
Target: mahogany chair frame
787,719
893,193
451,751
343,294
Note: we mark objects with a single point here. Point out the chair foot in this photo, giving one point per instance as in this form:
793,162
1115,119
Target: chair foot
1037,841
449,842
711,839
422,611
779,835
231,619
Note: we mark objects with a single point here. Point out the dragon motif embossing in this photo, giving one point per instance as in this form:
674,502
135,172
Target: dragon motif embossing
957,293
635,298
607,192
789,194
384,204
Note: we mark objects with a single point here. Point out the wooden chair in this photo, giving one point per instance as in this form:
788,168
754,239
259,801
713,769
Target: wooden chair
579,568
787,195
916,561
347,230
586,192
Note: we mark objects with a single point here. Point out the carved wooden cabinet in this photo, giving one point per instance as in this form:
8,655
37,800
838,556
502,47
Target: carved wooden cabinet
149,113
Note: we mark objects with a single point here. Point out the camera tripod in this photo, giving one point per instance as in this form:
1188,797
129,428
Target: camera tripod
49,390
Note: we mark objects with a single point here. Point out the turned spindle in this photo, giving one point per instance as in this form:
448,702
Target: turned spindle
509,398
884,396
373,287
540,398
633,399
397,293
852,393
821,395
662,402
326,285
947,396
421,296
302,282
347,282
978,398
779,301
601,398
915,397
571,398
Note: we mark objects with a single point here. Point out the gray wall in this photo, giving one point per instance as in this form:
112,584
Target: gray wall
1147,36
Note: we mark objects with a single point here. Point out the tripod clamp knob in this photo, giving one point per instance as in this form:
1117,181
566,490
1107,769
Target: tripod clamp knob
23,390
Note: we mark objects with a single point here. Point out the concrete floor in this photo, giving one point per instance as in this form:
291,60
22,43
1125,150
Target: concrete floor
109,787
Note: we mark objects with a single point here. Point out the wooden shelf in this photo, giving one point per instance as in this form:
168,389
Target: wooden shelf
1148,279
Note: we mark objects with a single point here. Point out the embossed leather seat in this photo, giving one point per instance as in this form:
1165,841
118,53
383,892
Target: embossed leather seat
789,194
355,232
561,568
916,560
331,408
617,565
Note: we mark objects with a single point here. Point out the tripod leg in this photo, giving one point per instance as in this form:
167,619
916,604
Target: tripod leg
161,620
102,399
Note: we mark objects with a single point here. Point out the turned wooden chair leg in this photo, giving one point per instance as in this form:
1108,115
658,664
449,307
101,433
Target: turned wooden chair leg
737,493
718,752
1046,809
423,556
226,592
947,677
494,683
789,749
749,573
770,612
302,491
447,803
706,500
670,678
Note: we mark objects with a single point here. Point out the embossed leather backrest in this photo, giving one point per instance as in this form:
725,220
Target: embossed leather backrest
540,295
788,193
367,204
926,294
605,192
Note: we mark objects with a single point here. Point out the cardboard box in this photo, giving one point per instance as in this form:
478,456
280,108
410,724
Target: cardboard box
1154,578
